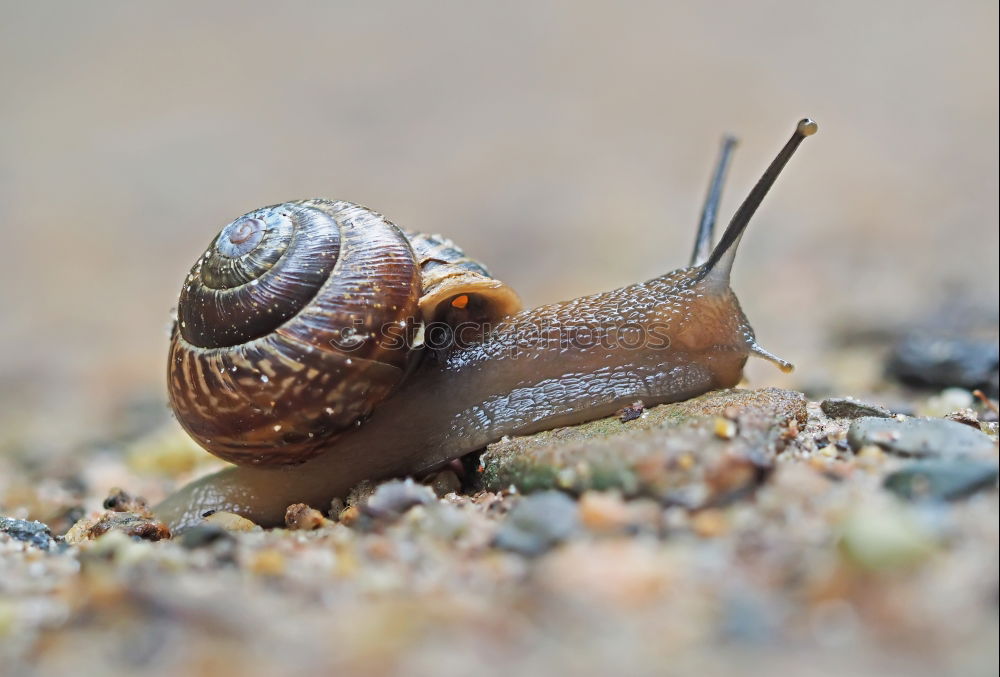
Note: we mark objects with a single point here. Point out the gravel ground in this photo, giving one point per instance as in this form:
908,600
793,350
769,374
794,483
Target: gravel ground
745,527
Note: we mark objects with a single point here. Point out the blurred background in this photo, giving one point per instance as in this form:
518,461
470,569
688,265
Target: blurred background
566,144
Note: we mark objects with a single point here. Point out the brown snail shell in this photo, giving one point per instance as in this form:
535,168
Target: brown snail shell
301,317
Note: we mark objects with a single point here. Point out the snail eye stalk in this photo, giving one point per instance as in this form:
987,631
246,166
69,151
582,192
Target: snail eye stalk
720,263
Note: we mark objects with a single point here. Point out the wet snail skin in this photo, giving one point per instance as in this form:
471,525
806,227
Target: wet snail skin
303,351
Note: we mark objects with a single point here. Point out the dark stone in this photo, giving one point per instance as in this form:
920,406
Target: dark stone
848,407
631,412
204,535
28,531
537,523
919,437
940,362
942,480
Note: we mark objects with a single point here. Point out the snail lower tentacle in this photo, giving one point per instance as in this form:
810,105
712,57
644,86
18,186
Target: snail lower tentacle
490,371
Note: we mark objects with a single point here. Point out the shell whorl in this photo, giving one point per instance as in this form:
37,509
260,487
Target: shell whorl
301,317
259,271
295,323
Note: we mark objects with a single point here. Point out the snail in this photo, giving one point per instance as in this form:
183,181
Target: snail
317,345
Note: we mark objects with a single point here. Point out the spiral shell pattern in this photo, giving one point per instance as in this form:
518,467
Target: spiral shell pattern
295,323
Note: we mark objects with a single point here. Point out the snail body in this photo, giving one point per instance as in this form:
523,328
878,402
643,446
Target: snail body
390,353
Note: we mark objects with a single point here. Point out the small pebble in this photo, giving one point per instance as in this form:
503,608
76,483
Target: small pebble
879,538
444,482
349,516
28,531
132,524
603,511
361,492
230,521
119,500
686,461
538,522
204,535
709,523
445,521
945,402
631,412
870,457
829,451
966,416
942,480
618,574
396,497
732,477
301,517
337,506
919,437
724,428
116,546
848,407
268,562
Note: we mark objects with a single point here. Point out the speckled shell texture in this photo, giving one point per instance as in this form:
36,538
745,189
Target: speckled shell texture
294,325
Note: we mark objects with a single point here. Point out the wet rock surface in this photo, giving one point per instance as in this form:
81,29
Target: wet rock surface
739,531
942,480
920,437
678,453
